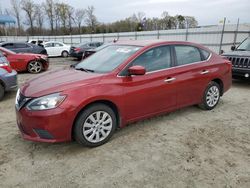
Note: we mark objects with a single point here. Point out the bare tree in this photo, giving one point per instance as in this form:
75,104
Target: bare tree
16,12
91,19
49,10
39,17
62,9
79,16
70,18
140,16
29,8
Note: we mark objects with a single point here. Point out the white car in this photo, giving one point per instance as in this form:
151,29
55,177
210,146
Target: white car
55,49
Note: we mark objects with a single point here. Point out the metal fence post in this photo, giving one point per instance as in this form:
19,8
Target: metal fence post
222,33
187,31
158,34
236,32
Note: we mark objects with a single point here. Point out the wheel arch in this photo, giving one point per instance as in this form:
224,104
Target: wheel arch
221,84
109,103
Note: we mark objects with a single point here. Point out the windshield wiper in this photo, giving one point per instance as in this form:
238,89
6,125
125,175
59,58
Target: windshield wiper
241,50
85,70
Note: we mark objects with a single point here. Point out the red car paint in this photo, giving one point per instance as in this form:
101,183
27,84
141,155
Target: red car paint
20,61
135,97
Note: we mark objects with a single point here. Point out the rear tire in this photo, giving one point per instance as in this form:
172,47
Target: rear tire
211,96
65,54
1,92
95,125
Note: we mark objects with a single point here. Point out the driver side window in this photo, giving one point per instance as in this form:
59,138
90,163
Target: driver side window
155,59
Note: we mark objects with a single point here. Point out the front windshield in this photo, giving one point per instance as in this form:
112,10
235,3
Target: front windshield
107,59
245,45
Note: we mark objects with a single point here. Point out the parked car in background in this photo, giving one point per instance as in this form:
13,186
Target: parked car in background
77,51
240,58
89,52
8,76
56,49
33,63
125,82
37,42
23,47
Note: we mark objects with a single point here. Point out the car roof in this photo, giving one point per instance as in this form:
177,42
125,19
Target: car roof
144,43
14,42
54,42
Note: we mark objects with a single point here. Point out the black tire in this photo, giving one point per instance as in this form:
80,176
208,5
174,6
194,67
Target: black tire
85,116
205,104
1,92
35,67
65,54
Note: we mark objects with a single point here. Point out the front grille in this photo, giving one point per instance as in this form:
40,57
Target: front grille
240,62
21,101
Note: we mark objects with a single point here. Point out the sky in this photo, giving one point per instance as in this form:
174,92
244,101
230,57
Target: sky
206,12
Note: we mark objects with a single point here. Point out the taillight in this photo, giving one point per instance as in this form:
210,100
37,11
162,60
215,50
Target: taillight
6,67
77,49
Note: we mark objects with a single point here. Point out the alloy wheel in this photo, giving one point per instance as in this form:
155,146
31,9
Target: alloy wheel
35,67
97,126
213,95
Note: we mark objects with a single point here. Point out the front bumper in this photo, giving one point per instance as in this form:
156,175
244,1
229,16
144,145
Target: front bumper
240,72
45,126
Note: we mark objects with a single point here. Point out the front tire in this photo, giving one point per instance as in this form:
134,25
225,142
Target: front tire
1,92
95,125
211,96
35,67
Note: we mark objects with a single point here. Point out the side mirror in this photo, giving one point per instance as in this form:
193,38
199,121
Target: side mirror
136,70
233,48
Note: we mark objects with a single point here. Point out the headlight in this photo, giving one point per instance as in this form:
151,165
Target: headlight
46,102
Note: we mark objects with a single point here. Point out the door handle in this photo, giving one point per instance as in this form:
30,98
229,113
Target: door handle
205,72
169,79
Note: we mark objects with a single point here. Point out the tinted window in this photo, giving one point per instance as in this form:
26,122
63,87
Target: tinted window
49,45
92,45
187,54
155,59
57,44
205,54
8,45
21,45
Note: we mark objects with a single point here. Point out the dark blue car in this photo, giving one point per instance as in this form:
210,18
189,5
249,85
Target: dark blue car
8,76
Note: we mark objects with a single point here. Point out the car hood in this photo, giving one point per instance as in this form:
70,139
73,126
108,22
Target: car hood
238,53
57,81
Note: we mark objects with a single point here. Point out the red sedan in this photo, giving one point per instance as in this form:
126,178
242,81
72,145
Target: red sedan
33,63
123,83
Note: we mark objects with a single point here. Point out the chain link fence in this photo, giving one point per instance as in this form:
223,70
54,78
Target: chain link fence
217,38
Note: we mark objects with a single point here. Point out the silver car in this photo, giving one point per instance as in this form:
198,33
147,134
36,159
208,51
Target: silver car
8,76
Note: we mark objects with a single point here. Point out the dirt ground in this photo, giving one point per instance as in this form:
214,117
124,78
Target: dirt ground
186,148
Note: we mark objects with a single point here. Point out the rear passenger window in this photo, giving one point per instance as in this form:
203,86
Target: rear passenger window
21,45
205,54
155,59
187,54
8,45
